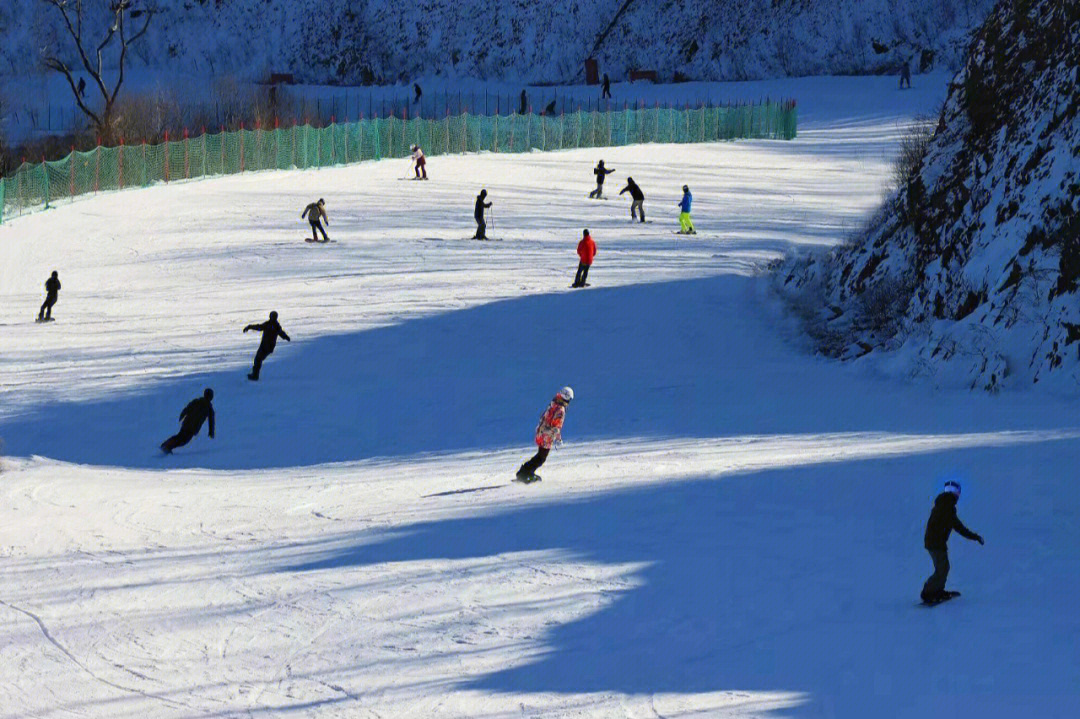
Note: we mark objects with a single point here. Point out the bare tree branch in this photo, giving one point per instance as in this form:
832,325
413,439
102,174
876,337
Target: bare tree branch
55,64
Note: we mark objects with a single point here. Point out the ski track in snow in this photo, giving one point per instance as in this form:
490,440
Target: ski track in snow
733,528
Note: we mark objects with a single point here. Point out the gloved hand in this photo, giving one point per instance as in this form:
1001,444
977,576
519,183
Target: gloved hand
979,539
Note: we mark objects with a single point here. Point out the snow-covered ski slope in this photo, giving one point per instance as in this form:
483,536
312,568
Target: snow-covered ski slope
733,528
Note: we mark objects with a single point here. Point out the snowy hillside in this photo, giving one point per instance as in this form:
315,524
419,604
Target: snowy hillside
353,41
733,528
970,273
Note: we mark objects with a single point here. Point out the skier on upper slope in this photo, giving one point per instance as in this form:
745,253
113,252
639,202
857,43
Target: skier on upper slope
419,162
271,330
601,173
52,290
637,198
192,417
942,522
314,212
548,435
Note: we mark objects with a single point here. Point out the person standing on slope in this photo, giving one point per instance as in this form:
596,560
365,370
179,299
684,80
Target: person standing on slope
419,92
606,87
271,330
548,435
478,215
601,174
197,411
942,522
52,291
314,212
419,162
686,225
637,197
905,74
586,250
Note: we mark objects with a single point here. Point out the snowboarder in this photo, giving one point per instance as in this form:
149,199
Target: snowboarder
942,522
549,111
420,162
478,214
586,250
81,89
606,94
548,435
905,74
419,92
601,173
686,225
197,411
524,106
314,212
52,289
271,331
637,196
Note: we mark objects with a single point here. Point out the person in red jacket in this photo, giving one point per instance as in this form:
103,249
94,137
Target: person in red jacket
548,435
586,251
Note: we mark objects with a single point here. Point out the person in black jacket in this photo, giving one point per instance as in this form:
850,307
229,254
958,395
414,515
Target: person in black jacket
606,88
197,411
942,522
637,196
271,331
601,173
478,214
52,289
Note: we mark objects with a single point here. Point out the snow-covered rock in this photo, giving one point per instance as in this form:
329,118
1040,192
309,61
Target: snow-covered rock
970,271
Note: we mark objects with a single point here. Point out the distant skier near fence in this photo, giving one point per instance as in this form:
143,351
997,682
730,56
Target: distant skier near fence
606,94
586,250
905,74
523,107
315,212
52,291
686,225
942,522
419,92
548,435
478,215
419,162
601,173
271,330
638,199
195,413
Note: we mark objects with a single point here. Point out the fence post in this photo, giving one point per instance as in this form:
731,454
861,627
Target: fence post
145,179
241,136
71,167
45,181
187,156
166,156
333,139
121,164
204,151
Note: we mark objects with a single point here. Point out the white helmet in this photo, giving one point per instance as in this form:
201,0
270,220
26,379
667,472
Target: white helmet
566,393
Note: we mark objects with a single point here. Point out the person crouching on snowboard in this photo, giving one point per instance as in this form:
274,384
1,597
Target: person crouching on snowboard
548,434
314,212
942,522
420,164
197,411
586,250
271,330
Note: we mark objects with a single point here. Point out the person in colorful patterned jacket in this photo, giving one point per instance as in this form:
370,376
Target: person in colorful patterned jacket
548,434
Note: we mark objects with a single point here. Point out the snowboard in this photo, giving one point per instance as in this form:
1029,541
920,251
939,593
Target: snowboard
39,320
318,242
528,480
946,597
575,287
680,232
412,179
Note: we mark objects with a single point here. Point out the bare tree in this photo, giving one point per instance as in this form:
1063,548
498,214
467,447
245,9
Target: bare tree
93,59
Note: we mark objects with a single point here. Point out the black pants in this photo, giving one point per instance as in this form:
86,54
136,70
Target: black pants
599,191
481,229
316,228
530,467
185,435
905,79
421,169
935,585
582,274
635,207
46,307
606,94
261,355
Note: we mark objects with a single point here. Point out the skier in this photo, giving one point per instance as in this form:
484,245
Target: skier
586,250
418,91
271,331
606,94
478,214
905,74
548,435
601,173
197,411
942,521
549,111
637,196
314,212
686,226
524,106
52,289
420,162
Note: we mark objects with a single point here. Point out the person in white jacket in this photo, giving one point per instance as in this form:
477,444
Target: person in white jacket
420,164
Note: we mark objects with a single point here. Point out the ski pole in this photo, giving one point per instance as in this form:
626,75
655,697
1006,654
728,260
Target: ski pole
493,220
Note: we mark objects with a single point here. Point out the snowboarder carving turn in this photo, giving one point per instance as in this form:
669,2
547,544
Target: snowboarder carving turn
419,162
548,435
586,250
637,199
686,225
942,522
271,330
52,290
192,417
314,212
601,173
478,215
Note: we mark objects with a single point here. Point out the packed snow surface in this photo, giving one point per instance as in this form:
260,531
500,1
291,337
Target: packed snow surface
733,528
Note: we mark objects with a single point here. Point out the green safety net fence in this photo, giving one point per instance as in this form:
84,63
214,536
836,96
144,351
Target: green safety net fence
36,186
